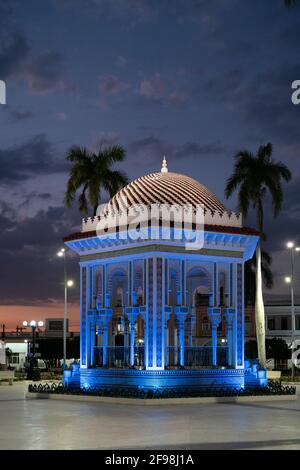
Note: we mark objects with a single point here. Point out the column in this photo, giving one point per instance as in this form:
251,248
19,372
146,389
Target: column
132,314
92,343
168,311
191,326
129,282
215,318
105,341
181,340
88,341
98,344
104,273
238,276
125,357
132,341
181,314
229,317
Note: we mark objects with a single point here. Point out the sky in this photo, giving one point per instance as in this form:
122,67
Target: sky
195,80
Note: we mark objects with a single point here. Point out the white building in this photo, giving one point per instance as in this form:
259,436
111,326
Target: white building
279,321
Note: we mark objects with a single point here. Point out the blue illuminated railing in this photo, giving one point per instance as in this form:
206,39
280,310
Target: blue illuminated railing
195,357
119,356
139,356
200,356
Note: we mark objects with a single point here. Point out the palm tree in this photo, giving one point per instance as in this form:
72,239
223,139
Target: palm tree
93,173
250,276
255,176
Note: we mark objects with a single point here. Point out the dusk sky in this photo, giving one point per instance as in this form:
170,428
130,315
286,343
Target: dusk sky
195,80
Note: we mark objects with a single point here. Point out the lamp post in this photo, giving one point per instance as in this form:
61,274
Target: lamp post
290,280
67,283
31,374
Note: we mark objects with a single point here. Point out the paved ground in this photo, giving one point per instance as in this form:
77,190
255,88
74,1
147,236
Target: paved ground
46,424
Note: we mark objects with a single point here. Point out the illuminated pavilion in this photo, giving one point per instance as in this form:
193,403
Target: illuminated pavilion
154,313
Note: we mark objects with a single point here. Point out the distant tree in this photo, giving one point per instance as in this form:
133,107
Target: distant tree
278,350
8,355
93,173
51,349
251,349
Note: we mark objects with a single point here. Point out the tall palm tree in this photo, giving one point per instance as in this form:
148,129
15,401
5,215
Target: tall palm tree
255,176
250,276
93,173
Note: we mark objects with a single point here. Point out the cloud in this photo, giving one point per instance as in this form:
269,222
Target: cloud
62,116
34,242
131,12
121,61
14,51
261,101
110,84
21,115
44,73
153,88
191,149
34,195
157,89
153,149
33,157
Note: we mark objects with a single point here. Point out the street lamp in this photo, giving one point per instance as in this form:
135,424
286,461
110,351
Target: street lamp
31,375
67,284
290,280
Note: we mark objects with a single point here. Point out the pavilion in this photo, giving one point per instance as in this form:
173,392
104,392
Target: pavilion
146,302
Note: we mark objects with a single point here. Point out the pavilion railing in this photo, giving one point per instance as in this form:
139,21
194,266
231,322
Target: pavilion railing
196,356
119,356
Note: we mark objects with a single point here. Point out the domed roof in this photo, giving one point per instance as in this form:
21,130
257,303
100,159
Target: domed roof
165,188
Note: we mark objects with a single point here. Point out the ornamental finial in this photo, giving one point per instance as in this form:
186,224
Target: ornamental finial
164,168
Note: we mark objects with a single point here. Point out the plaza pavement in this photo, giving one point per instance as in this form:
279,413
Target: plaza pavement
50,424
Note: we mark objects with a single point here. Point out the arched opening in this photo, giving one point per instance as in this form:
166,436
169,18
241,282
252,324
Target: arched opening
118,326
201,304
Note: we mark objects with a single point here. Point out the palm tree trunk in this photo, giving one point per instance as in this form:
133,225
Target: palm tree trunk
260,311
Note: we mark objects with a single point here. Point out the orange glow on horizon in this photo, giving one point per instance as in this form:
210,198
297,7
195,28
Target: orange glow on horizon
13,315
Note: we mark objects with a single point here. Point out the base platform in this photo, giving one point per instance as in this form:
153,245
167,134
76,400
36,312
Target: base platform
202,379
